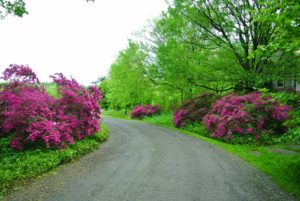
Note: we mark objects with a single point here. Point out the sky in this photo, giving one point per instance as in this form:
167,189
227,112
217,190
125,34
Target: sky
76,38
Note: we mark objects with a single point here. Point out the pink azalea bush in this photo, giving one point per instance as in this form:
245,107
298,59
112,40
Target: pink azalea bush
178,118
30,116
139,112
193,110
249,115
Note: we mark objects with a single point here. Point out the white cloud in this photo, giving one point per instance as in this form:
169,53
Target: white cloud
71,36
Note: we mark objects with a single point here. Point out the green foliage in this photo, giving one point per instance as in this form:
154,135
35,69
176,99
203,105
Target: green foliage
207,45
185,66
290,99
198,128
293,122
127,82
103,86
116,113
16,8
287,23
293,134
51,89
17,167
162,119
248,29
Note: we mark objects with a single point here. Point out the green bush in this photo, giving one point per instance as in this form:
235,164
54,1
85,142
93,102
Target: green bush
197,128
290,99
293,122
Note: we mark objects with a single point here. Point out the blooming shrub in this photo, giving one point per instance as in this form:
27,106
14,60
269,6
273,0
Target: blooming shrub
30,116
139,112
193,110
249,115
178,118
79,106
19,74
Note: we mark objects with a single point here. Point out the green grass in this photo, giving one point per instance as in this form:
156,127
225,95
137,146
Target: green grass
283,169
163,119
117,114
17,167
51,89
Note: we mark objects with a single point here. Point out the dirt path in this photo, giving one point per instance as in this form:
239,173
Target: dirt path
142,162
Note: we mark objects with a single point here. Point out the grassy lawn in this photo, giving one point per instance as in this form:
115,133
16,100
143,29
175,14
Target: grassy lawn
51,89
17,167
117,114
282,168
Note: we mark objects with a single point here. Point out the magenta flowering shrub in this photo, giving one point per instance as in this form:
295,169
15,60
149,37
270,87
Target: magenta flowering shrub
139,112
178,117
20,107
249,115
193,110
19,74
30,116
78,106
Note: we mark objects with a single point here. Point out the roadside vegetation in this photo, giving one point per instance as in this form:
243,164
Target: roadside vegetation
40,130
209,68
212,67
17,168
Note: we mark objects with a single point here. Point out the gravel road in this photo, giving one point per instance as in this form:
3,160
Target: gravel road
142,162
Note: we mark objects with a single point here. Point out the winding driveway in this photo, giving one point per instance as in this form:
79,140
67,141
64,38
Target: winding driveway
142,162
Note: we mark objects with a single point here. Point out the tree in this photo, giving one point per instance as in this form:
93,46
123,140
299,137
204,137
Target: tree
16,7
284,51
216,45
128,85
103,86
184,65
237,25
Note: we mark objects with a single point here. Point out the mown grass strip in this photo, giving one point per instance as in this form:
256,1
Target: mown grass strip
17,167
117,114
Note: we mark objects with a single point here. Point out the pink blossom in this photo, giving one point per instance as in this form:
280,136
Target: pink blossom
139,112
33,116
249,130
257,137
193,110
178,118
245,115
280,113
